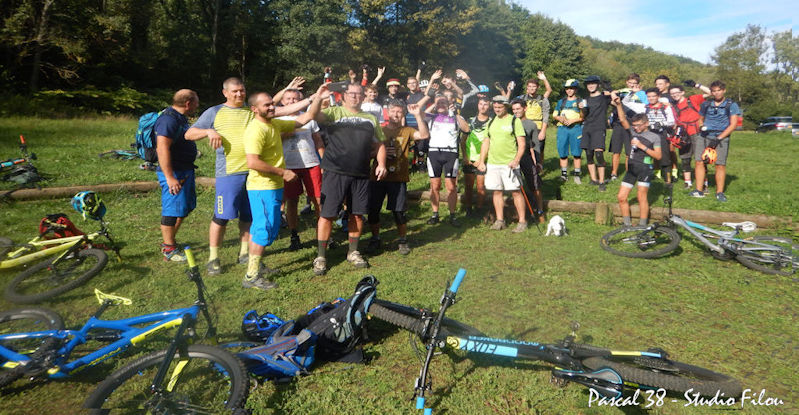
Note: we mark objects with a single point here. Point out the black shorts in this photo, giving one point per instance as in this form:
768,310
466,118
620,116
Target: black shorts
442,162
470,169
396,192
340,188
620,138
638,173
531,176
593,138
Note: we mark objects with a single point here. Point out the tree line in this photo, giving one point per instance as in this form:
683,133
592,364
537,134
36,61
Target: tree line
122,53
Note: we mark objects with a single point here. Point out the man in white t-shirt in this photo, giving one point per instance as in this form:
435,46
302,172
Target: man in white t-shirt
302,151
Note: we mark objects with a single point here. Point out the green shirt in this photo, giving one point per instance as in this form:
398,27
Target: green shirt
503,139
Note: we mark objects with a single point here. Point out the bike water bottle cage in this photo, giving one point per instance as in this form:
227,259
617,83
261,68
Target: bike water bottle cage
89,204
111,299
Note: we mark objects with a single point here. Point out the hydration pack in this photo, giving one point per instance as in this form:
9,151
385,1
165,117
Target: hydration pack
145,137
57,225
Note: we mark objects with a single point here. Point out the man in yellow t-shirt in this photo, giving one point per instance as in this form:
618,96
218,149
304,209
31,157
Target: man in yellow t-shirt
267,172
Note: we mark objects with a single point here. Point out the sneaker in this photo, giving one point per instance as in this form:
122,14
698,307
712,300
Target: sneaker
696,193
563,178
320,266
453,221
264,271
686,185
374,245
593,183
614,177
433,220
259,283
213,267
720,197
244,259
498,225
295,243
357,260
577,179
403,248
173,255
520,227
602,187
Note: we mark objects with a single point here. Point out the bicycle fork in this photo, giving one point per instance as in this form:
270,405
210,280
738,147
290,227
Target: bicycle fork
180,345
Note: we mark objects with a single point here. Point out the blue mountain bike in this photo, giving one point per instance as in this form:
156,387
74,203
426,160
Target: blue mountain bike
608,372
183,378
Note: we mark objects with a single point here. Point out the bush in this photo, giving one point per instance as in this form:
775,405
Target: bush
84,102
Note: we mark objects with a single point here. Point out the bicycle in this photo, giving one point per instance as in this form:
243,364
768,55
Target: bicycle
20,170
610,373
178,378
767,254
70,262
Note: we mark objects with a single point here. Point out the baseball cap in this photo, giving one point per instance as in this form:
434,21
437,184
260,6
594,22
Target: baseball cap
500,98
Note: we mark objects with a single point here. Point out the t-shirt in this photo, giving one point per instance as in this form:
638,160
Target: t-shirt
182,152
349,140
503,139
650,140
659,114
531,135
373,108
716,118
413,98
443,133
400,139
537,109
230,123
264,139
568,109
476,136
596,112
299,149
688,113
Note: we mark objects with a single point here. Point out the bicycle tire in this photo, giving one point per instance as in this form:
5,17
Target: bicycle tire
25,320
409,318
670,375
5,246
42,281
769,261
212,375
640,243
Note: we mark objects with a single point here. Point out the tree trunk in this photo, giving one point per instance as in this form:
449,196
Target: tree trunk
41,35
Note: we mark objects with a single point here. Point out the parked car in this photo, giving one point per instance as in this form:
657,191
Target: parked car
795,130
774,124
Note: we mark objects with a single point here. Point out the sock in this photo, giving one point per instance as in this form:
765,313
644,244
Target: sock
642,221
402,240
213,253
689,182
244,249
252,267
627,221
353,244
577,172
321,248
166,248
563,172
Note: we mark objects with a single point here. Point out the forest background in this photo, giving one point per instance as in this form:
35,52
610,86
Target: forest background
111,57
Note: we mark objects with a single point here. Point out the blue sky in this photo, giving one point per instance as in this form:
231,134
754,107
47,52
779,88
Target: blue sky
689,28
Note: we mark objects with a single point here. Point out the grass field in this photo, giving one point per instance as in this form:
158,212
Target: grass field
710,313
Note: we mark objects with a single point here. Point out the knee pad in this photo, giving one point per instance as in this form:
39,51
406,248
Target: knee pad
600,158
169,220
589,156
400,218
220,222
686,164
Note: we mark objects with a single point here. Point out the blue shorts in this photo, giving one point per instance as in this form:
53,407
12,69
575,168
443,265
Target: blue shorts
265,205
181,204
569,141
231,198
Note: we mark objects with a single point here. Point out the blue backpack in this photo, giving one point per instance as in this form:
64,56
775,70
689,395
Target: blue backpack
145,137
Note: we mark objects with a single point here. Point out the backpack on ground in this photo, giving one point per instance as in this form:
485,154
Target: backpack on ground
57,225
145,137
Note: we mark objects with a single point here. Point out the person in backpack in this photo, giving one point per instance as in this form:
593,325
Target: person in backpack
537,106
500,157
661,118
620,137
719,119
530,164
570,130
687,111
175,169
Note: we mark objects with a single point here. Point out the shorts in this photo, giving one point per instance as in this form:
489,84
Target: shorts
501,177
638,174
231,198
442,162
470,169
721,150
265,206
339,188
593,138
310,178
530,171
620,137
181,204
396,192
687,151
569,141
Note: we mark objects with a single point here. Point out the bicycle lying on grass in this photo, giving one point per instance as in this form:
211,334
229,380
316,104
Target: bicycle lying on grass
70,261
183,378
767,254
607,372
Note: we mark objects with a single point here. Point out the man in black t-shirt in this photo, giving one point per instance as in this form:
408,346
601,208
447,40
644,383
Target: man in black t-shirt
595,115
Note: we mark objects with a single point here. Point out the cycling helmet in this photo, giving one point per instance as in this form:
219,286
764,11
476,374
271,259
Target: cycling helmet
592,79
482,88
260,327
89,204
571,83
709,155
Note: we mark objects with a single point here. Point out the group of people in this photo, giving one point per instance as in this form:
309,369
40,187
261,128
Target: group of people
350,150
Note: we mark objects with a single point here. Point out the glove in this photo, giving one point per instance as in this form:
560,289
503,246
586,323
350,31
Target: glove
689,83
713,142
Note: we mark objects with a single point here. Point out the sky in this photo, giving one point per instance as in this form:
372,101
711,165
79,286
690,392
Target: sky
682,27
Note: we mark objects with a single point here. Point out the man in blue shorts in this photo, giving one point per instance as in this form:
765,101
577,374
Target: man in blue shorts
719,120
570,130
175,169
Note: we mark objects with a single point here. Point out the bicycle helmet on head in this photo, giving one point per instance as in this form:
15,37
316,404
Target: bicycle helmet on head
709,155
482,88
571,83
89,204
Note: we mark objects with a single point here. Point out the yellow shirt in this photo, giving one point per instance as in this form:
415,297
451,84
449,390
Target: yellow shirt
264,139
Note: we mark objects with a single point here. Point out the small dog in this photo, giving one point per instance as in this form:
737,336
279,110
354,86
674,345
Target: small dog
557,226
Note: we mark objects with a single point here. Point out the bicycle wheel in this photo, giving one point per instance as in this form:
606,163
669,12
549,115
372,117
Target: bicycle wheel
5,246
780,257
26,320
209,381
44,280
668,374
640,241
409,318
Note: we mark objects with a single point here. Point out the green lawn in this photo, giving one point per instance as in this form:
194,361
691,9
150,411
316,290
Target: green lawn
707,312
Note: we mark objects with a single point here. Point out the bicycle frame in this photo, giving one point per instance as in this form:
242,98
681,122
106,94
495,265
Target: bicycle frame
692,227
23,254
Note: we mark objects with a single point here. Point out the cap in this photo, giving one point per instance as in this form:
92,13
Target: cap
500,98
393,81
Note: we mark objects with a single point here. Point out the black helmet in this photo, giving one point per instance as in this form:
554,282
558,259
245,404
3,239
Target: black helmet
592,79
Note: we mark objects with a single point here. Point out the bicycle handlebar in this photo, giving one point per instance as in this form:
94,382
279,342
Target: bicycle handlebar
189,256
458,279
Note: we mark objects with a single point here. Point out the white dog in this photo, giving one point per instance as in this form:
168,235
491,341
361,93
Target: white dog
557,226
